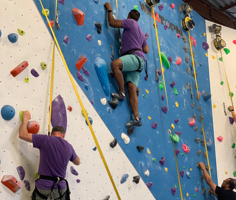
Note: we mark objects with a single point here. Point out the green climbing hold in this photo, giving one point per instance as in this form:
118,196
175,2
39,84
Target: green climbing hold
43,65
161,86
21,115
154,159
26,80
176,186
135,7
36,176
183,155
222,82
234,173
143,96
165,60
231,94
221,59
227,51
83,113
183,167
175,91
174,137
21,32
194,195
233,145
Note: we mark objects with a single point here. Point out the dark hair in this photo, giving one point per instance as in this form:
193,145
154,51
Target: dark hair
58,129
231,183
134,14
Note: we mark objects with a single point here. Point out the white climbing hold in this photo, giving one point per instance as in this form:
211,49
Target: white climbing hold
103,101
99,42
129,186
125,138
147,173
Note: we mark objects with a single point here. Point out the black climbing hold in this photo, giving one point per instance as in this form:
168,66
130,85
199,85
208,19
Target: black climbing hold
201,131
204,191
195,128
99,27
187,86
197,140
204,155
138,91
198,108
130,130
188,71
202,142
194,116
201,118
198,97
136,179
193,104
202,177
197,165
140,148
114,103
107,198
113,143
199,152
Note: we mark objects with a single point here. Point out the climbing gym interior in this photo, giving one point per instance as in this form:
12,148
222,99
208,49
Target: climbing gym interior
55,61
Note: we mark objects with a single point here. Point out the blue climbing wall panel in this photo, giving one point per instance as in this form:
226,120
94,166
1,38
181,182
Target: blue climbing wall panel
156,140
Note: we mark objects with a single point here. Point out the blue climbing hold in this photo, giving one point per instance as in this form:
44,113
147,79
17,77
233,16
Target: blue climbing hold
124,178
96,1
101,69
90,120
206,96
12,37
86,87
0,33
7,112
95,148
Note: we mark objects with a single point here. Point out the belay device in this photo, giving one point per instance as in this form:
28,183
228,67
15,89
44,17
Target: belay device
187,23
218,42
151,3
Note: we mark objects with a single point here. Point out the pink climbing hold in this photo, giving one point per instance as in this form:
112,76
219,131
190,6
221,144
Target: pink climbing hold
185,148
220,138
196,190
194,41
234,41
178,35
178,62
191,122
173,190
172,5
154,125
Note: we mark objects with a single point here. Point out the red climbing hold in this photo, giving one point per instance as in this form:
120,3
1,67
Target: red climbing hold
79,16
191,122
234,41
178,62
51,23
11,182
19,68
194,41
172,6
69,108
185,148
80,63
33,127
178,35
220,138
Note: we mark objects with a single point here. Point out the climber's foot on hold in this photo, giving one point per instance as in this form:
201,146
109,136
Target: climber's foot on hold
120,96
134,122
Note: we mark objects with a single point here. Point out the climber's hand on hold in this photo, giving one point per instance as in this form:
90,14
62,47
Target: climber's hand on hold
108,6
231,108
201,164
26,116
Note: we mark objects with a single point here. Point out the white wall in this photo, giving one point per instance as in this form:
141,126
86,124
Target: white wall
36,47
225,155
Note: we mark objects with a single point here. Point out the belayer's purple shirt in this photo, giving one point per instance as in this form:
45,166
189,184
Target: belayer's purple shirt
133,37
55,153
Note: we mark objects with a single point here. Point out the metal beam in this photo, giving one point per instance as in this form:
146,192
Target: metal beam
229,6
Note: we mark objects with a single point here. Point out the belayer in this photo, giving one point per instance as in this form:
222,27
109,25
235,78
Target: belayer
132,61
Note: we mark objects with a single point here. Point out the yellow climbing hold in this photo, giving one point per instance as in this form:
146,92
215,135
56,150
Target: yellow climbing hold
187,194
148,151
149,118
226,172
214,106
173,126
213,57
204,34
206,54
45,12
176,104
163,69
83,113
166,169
21,32
169,130
147,91
191,169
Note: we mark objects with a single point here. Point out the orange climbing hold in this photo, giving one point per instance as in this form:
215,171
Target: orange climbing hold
82,60
79,16
11,182
19,68
33,127
51,23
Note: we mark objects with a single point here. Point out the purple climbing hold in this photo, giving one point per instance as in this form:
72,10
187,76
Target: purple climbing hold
146,78
79,76
161,6
169,59
27,185
73,171
21,172
89,37
205,46
92,102
85,71
173,190
162,161
178,133
176,121
61,2
159,72
78,181
163,97
177,152
154,25
165,27
147,36
34,73
172,84
231,120
181,173
154,125
149,185
66,39
164,109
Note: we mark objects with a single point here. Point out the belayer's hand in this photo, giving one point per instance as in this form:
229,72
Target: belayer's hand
108,6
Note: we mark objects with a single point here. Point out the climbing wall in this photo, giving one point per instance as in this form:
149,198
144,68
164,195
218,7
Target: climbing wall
225,152
36,46
157,141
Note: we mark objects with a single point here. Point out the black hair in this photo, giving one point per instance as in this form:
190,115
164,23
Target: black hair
58,129
231,183
134,14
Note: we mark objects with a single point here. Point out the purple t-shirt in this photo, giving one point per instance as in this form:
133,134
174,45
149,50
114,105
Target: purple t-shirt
133,37
55,153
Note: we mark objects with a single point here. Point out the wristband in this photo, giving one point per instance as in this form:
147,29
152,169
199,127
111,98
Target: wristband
109,11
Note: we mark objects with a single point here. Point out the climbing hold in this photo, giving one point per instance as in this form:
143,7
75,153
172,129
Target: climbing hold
220,138
191,122
206,54
227,51
21,32
89,37
78,181
165,27
172,6
166,169
19,68
214,106
130,130
0,33
33,127
181,173
188,70
43,65
83,113
173,190
169,59
61,2
149,118
148,151
178,133
80,63
195,128
21,172
154,125
213,57
205,46
147,173
73,171
7,112
86,86
124,178
174,138
183,155
165,61
103,101
172,84
129,186
172,126
187,59
222,82
178,62
140,148
79,76
85,71
90,121
183,166
184,39
178,35
149,185
204,34
198,108
79,16
99,27
204,191
163,97
136,179
204,155
147,36
162,161
125,138
198,97
187,194
21,115
234,173
206,96
51,23
45,12
175,91
11,183
197,140
194,116
202,142
193,41
159,72
114,103
233,145
66,39
34,73
161,6
101,69
177,152
176,104
193,104
135,7
188,174
99,42
161,86
154,159
169,130
221,59
176,121
185,148
164,109
186,49
27,185
113,143
231,94
69,108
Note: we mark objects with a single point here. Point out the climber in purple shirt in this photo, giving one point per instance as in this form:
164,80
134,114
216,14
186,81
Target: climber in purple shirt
55,154
132,61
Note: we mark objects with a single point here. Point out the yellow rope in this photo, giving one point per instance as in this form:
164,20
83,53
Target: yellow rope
158,44
82,106
208,162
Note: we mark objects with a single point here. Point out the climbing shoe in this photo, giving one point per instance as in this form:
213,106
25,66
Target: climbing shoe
119,96
134,122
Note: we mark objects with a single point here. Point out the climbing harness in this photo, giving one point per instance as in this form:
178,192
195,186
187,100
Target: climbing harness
56,181
112,52
82,106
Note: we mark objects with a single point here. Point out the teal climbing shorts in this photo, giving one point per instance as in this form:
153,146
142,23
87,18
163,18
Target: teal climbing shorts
130,65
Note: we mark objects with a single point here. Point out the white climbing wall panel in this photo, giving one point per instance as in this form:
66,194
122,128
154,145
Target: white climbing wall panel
36,47
225,155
